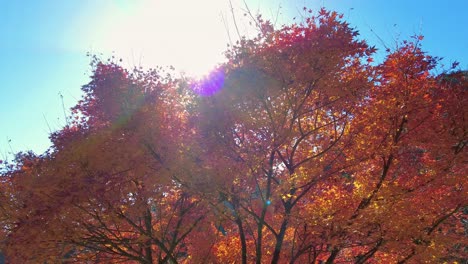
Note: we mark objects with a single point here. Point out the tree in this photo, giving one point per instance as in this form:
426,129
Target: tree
298,149
104,192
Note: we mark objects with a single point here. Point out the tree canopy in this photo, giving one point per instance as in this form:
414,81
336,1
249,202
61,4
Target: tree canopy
298,149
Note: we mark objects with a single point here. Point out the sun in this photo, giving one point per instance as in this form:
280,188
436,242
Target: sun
189,35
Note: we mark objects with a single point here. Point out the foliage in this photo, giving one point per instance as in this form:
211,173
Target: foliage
298,149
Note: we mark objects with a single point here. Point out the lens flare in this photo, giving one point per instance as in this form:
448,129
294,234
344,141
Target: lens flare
211,84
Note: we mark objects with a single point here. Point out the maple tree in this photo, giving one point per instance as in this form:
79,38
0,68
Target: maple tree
298,149
92,204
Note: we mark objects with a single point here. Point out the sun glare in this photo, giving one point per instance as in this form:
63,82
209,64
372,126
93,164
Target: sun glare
189,35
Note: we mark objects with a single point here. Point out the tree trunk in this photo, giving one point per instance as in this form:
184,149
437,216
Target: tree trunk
242,239
280,237
279,240
333,255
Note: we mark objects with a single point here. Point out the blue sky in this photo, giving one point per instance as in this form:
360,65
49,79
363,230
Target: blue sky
43,44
